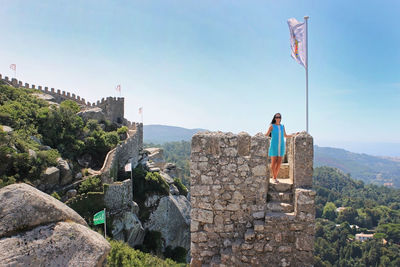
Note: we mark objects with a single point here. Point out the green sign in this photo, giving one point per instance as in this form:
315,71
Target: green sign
99,217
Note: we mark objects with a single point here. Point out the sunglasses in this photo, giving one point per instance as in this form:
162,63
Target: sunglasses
277,117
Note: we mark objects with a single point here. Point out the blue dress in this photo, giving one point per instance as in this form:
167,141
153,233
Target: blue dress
277,145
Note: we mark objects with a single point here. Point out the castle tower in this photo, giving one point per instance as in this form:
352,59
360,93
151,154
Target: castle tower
240,218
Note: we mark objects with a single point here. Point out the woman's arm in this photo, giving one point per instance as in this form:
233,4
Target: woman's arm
289,135
269,130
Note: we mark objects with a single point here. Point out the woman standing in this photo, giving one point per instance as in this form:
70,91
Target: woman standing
277,146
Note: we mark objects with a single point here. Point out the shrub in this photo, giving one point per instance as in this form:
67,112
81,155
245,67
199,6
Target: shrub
49,157
55,195
112,139
122,254
91,184
152,242
93,125
7,180
181,187
177,254
122,130
86,205
156,184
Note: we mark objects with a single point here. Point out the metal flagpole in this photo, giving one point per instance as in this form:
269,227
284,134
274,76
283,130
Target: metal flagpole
306,20
105,223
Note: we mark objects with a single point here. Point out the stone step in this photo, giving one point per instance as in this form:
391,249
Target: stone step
284,185
280,196
276,206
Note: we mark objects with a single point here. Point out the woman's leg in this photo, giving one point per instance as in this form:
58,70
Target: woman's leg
273,166
278,165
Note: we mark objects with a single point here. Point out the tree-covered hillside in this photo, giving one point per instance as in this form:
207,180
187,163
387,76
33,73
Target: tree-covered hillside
366,208
371,169
40,133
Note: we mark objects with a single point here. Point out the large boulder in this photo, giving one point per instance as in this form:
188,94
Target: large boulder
50,177
55,244
92,114
155,156
6,129
65,172
127,227
172,219
38,230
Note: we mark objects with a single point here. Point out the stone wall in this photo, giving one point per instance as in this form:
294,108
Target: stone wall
230,221
118,194
128,151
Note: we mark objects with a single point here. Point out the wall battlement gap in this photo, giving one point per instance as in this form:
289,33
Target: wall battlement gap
232,222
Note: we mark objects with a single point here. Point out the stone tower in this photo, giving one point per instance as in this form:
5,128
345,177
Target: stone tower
239,217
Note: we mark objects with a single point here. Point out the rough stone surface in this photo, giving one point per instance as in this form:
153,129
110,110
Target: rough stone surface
38,230
92,114
50,177
127,227
55,244
7,129
231,222
71,193
65,172
156,156
172,219
25,206
118,195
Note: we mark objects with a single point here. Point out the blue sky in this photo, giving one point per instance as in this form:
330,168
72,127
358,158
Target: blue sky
220,65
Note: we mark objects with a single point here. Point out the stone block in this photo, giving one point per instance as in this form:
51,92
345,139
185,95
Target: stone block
260,170
249,235
303,160
200,215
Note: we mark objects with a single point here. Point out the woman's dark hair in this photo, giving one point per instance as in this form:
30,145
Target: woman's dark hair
274,121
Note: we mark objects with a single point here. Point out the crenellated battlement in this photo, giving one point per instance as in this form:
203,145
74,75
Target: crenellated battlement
113,107
241,218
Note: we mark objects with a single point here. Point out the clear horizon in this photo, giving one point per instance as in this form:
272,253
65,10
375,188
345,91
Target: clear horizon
219,65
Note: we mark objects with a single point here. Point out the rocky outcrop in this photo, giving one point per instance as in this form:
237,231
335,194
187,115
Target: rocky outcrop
6,129
50,177
127,227
125,224
65,172
92,114
172,219
38,230
156,157
171,170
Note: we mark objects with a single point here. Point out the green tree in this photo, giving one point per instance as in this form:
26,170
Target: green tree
329,211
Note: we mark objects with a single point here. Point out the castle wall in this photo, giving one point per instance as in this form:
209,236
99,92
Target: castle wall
128,151
113,107
230,222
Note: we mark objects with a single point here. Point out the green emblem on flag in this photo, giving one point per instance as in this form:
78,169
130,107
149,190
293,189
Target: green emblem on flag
98,218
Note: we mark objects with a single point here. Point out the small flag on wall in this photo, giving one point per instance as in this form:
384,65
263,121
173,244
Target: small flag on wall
13,67
298,41
141,110
118,88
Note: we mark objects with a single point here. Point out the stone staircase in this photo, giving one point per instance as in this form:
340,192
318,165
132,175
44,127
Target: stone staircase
280,195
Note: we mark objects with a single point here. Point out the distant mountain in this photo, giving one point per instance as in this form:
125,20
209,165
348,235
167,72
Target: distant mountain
159,134
371,169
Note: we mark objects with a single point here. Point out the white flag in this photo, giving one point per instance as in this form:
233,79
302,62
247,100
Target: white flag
128,167
298,41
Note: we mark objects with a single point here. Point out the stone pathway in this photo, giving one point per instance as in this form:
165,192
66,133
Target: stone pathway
280,195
